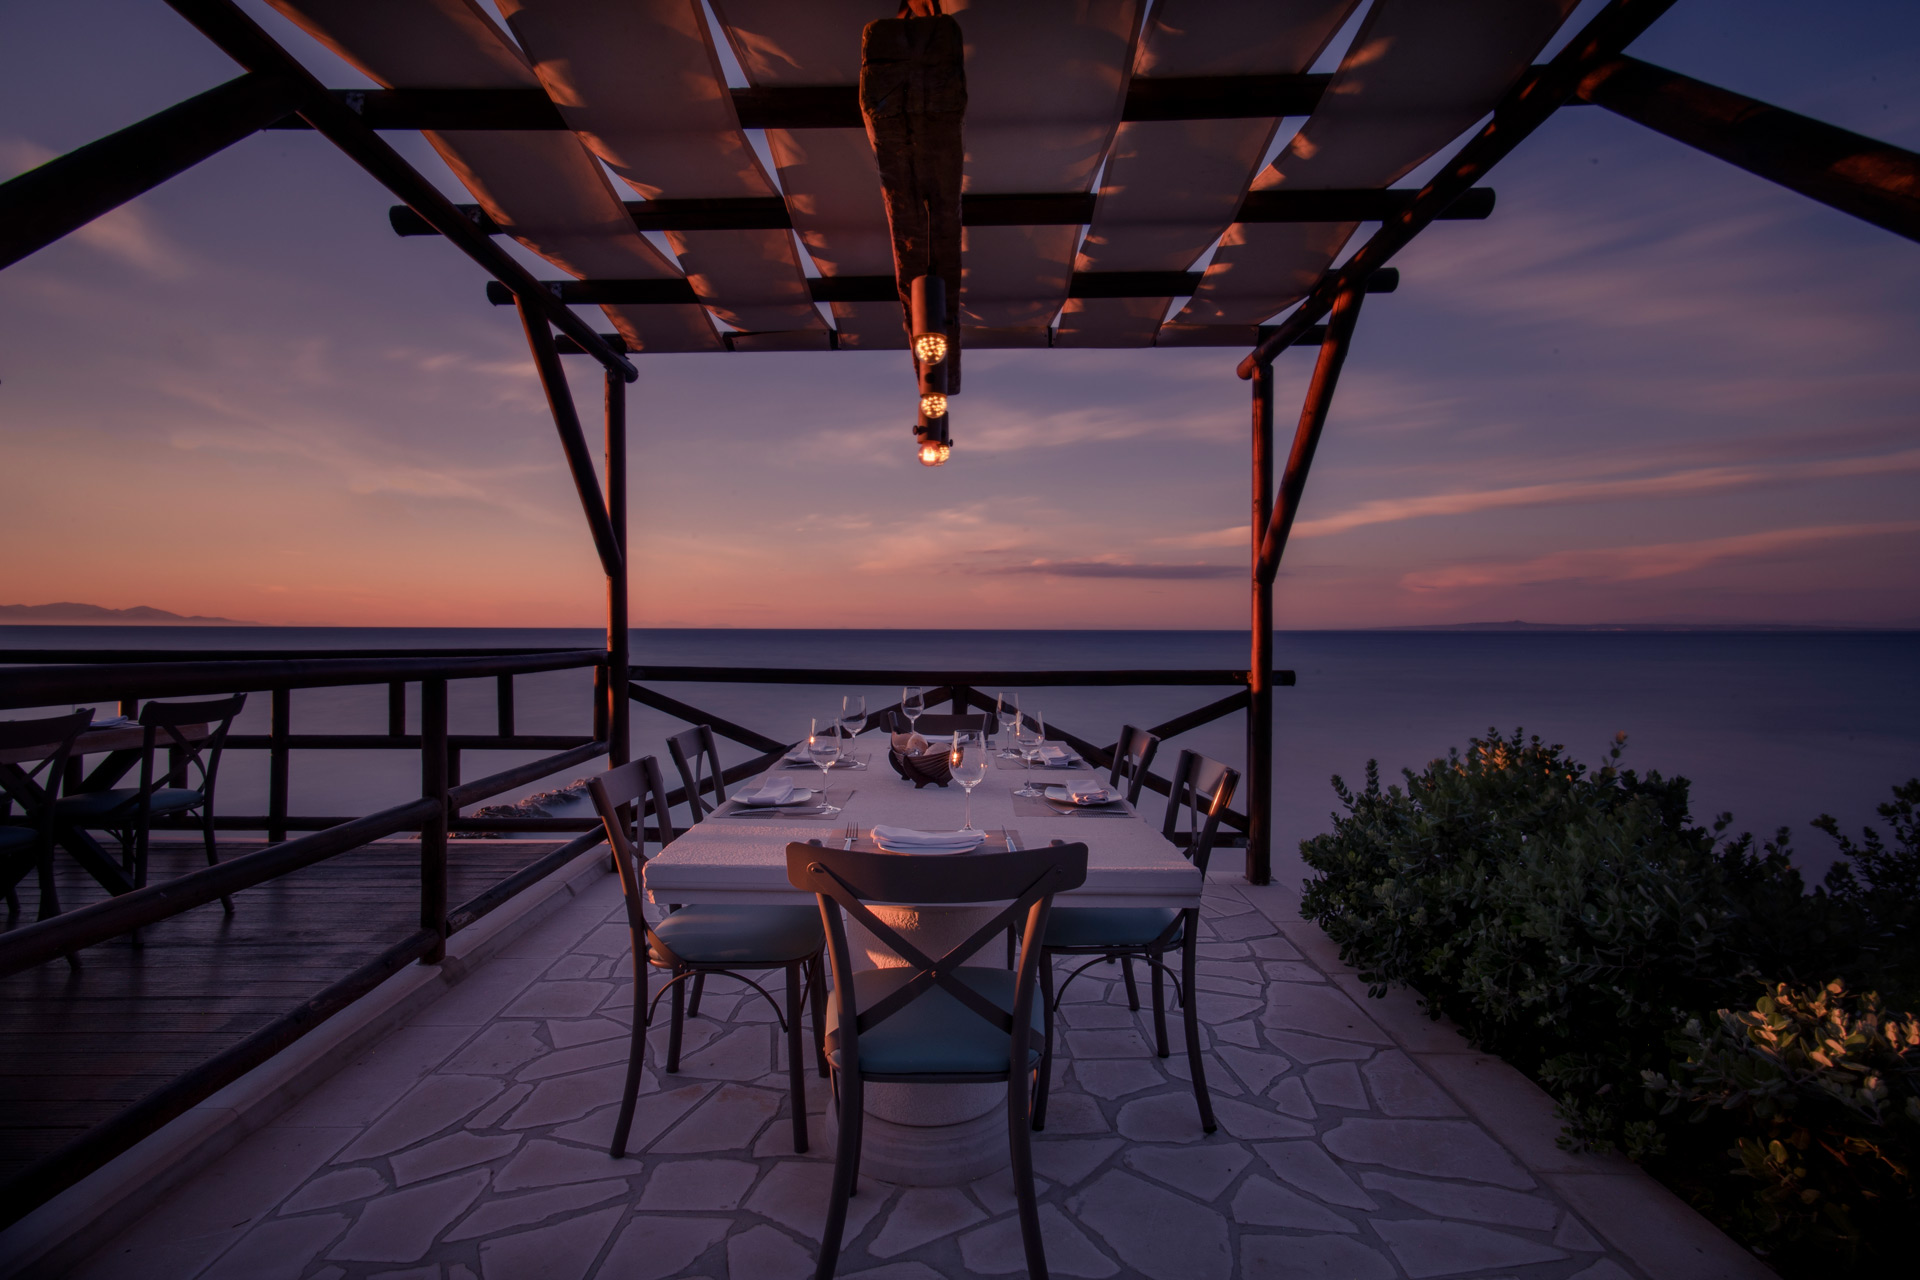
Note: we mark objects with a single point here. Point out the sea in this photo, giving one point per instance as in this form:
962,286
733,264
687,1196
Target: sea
1775,728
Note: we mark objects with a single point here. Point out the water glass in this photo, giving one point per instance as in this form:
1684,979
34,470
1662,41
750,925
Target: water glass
913,702
967,762
1029,737
1008,714
853,714
823,750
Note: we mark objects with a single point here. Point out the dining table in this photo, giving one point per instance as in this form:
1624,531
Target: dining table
921,1135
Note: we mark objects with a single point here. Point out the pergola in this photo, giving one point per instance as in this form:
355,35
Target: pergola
1111,148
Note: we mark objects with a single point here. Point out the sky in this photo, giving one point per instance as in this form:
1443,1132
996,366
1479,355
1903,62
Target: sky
1651,388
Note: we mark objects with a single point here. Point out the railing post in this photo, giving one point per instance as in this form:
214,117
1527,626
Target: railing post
1260,665
397,709
601,703
279,729
433,832
503,700
619,705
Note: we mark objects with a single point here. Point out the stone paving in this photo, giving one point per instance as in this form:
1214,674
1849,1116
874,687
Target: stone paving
471,1145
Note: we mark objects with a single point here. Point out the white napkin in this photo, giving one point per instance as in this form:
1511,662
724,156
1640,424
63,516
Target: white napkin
1054,753
773,790
1087,790
908,838
113,722
908,744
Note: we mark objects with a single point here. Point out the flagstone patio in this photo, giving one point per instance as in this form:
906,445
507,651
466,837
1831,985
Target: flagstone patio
1358,1139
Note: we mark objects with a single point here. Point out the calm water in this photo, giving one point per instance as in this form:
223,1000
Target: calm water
1774,727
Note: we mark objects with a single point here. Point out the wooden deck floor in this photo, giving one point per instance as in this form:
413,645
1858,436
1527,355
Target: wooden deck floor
75,1047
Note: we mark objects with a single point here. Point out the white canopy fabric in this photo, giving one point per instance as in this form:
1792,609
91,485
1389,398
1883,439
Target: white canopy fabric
644,88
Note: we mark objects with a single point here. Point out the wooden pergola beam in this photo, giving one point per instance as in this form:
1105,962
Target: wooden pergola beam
66,193
835,106
1527,106
241,39
676,291
1872,180
1068,209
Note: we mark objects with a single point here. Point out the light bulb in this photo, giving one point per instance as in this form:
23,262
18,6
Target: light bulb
932,455
930,348
946,451
933,405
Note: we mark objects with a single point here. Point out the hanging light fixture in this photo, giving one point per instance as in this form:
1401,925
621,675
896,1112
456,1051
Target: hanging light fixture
933,405
929,320
933,437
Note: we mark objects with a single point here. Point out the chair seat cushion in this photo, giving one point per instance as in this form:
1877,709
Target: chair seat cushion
12,838
123,804
749,937
936,1034
1108,926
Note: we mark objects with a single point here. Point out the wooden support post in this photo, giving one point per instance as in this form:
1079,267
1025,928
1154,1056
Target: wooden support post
1260,665
503,703
619,706
1306,438
433,831
1873,180
397,709
279,729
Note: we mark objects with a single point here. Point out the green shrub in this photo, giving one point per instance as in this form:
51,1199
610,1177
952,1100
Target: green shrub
1567,920
1580,925
1821,1089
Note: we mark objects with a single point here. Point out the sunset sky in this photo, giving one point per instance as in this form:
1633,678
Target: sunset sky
1650,387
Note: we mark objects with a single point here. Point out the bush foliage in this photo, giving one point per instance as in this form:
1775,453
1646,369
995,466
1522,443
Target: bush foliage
1578,922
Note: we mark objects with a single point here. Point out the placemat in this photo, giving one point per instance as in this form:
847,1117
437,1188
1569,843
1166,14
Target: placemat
748,813
1036,807
996,842
1020,766
855,762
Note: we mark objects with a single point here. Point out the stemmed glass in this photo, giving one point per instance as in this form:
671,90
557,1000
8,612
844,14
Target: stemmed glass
853,715
1029,738
967,762
1009,714
823,750
913,701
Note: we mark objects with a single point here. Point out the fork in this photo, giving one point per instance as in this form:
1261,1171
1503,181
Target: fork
850,838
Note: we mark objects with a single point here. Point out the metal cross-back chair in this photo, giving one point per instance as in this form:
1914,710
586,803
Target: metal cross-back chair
1132,757
698,940
29,846
697,756
129,812
935,1021
1202,789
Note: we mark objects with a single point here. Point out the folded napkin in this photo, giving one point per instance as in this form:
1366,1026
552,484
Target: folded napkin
114,722
1086,790
908,838
1054,753
773,790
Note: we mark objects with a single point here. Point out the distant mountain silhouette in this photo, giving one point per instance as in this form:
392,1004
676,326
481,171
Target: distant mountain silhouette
1517,625
68,613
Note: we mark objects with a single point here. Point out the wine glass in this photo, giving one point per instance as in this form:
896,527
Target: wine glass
823,750
1029,736
967,762
853,714
913,702
1009,716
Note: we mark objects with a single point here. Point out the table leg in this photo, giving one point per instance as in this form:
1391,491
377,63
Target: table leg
93,860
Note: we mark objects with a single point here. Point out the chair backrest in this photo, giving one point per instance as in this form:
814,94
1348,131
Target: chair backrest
697,756
51,735
1202,789
940,726
1132,757
164,721
622,797
846,880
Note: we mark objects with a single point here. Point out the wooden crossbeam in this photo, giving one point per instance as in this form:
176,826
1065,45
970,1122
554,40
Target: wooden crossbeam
824,106
1872,180
1528,105
1045,209
676,290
